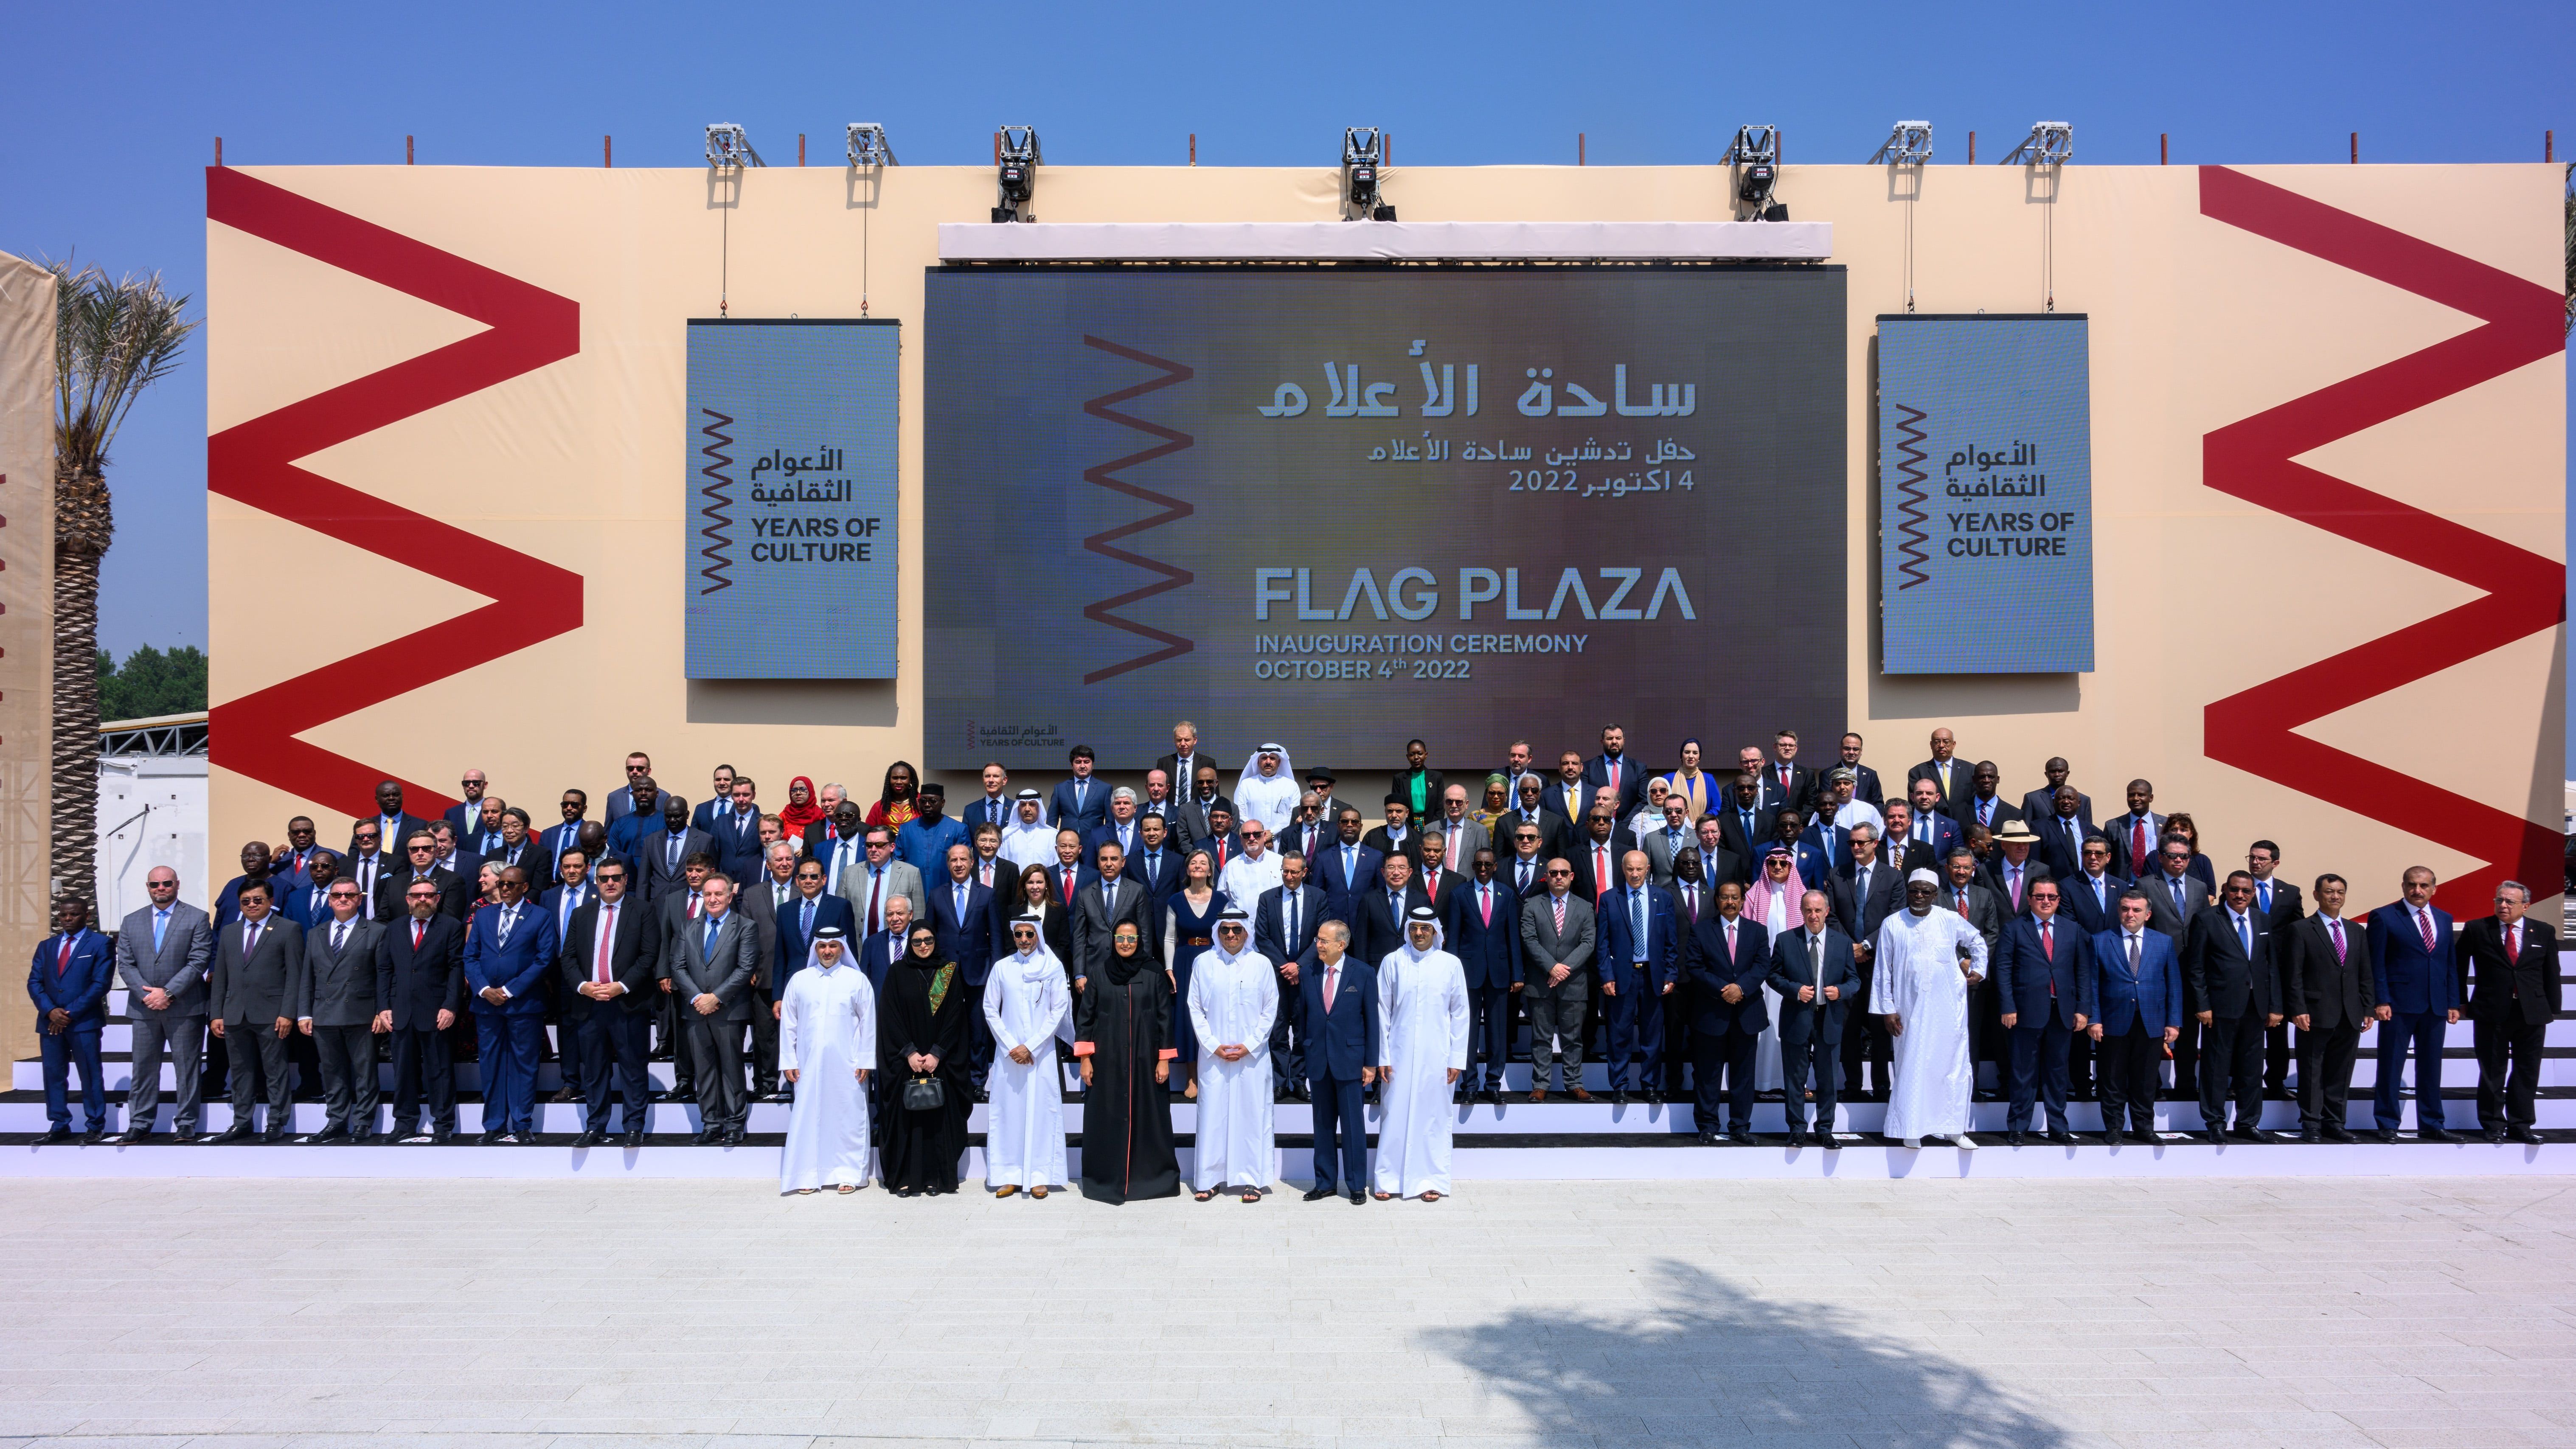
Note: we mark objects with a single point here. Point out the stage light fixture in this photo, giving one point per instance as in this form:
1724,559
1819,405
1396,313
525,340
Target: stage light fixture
1363,159
868,145
728,146
2050,143
1015,168
1756,159
1908,143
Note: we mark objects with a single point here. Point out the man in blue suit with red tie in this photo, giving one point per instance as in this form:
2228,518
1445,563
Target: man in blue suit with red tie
2415,970
1640,964
1726,962
508,950
1341,1059
1484,934
68,982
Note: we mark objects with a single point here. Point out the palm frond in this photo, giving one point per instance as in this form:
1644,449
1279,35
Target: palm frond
113,339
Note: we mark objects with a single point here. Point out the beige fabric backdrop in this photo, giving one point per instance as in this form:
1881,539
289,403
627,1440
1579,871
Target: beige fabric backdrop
2196,324
26,627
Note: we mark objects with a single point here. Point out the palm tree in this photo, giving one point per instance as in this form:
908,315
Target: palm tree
112,339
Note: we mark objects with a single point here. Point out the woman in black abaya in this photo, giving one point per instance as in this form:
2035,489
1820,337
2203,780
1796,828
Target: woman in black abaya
1123,1034
921,1034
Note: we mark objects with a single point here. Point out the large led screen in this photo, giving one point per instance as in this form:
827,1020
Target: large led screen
1339,507
1985,471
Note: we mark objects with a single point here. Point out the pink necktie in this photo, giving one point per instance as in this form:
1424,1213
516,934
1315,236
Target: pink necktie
2335,925
1332,978
607,933
2425,920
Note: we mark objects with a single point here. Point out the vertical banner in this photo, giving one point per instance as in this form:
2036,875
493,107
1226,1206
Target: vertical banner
27,309
791,464
1985,480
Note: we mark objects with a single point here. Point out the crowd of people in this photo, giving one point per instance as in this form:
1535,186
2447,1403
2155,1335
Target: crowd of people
1710,933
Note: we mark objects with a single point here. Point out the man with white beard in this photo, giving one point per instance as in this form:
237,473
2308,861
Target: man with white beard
827,1045
1422,1000
1234,998
1928,957
1026,1003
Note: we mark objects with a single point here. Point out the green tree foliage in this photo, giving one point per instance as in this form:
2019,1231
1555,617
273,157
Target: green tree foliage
151,683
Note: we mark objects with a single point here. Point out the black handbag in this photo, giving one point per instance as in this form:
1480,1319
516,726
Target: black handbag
924,1094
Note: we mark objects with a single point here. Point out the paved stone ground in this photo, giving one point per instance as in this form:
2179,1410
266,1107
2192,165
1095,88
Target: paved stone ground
2207,1313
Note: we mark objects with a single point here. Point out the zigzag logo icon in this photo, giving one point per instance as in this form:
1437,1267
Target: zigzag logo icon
719,509
1174,510
1910,531
2522,593
254,462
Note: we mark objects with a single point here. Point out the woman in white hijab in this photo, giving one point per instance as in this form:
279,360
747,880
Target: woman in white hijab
1027,1006
1271,798
1422,1005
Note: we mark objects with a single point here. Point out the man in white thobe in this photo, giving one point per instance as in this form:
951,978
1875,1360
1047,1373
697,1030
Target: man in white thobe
1026,1006
827,1046
1028,840
1266,791
1422,1000
1256,871
1234,999
1928,956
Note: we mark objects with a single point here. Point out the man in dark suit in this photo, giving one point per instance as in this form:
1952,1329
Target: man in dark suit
665,853
1614,769
1155,867
2090,893
68,981
629,833
554,840
1929,822
1384,909
336,1007
1947,772
393,823
762,901
2279,902
1100,902
368,866
420,988
305,898
2137,993
2014,867
1203,797
2512,962
1744,828
1283,927
2061,829
1899,849
711,964
1864,894
1310,829
420,854
2229,968
1187,758
1640,962
1811,969
1725,964
1596,855
1984,804
2174,896
1484,934
2043,974
1558,937
737,834
991,807
621,801
1439,883
2135,835
1717,863
1828,843
1963,892
609,960
719,799
1346,868
809,908
1398,836
250,990
2325,981
518,846
2040,804
1083,801
1530,808
1784,779
1865,786
1340,995
2415,978
509,951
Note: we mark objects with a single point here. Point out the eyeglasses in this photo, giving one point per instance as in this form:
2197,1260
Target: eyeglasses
1556,874
607,876
350,894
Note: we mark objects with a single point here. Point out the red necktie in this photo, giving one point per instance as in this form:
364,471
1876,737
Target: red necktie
1485,903
1560,915
2425,920
1963,900
1600,873
693,905
2512,946
1068,889
418,929
607,933
2138,840
876,894
63,961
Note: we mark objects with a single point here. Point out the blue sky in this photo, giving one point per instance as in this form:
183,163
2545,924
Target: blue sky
112,124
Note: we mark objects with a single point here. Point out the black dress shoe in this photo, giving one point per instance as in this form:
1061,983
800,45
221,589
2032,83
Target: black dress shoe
633,1138
1619,1097
361,1139
1743,1137
238,1132
2244,1133
1357,1197
2217,1136
1708,1139
1319,1192
2337,1132
1797,1137
273,1135
2016,1139
2386,1134
590,1137
2061,1136
59,1132
706,1137
733,1137
2439,1134
491,1136
330,1134
2492,1134
2111,1137
94,1136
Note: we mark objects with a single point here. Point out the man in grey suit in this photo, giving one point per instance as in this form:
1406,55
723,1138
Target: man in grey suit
248,991
1099,905
1666,841
868,888
1556,952
335,1005
162,952
1460,836
1964,892
711,964
666,852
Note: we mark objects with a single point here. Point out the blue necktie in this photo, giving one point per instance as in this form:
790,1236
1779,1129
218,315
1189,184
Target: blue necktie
707,939
160,929
806,929
1637,921
2245,937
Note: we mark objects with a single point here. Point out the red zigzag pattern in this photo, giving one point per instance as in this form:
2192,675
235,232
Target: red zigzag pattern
2524,593
255,463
